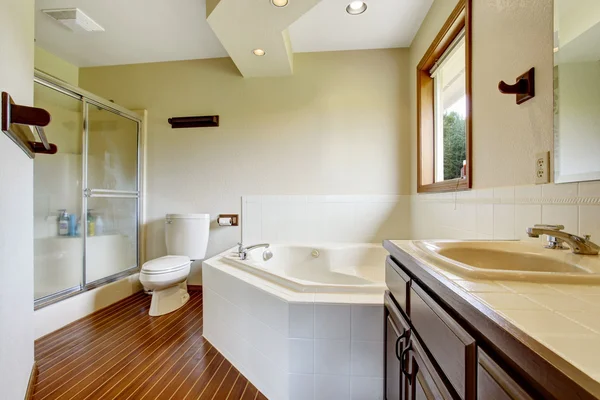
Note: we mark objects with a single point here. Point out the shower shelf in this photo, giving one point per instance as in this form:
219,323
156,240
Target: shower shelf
14,117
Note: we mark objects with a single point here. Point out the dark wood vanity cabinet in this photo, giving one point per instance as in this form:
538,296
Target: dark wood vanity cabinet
429,355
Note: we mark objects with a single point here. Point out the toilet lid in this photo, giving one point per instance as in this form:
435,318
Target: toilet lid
166,264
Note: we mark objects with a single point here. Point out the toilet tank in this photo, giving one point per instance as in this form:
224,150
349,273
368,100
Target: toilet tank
187,235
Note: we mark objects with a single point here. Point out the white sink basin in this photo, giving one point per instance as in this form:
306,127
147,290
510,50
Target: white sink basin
509,260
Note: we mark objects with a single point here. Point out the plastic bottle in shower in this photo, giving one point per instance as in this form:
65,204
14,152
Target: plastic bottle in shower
63,223
91,224
99,225
72,225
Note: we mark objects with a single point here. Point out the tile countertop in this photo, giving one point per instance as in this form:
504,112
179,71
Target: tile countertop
565,319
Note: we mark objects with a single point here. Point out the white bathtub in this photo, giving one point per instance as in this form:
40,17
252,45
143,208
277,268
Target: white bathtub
300,327
338,268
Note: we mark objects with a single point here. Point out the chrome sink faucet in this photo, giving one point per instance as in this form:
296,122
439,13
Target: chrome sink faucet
556,238
243,251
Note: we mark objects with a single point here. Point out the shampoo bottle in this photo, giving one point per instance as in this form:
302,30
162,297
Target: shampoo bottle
91,224
99,225
63,223
72,225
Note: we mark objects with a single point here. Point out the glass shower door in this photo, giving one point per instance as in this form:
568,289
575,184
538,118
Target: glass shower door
111,179
58,247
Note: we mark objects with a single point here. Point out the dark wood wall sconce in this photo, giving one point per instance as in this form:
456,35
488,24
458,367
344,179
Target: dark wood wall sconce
14,117
194,122
524,88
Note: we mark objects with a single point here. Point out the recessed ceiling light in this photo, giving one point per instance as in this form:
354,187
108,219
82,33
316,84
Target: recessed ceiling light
356,8
259,52
280,3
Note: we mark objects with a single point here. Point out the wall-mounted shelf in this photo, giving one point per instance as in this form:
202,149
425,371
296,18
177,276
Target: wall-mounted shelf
15,117
194,122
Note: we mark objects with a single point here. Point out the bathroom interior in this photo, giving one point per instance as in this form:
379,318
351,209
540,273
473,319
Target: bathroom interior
300,199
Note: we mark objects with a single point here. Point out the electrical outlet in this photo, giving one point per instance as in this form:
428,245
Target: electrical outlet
542,168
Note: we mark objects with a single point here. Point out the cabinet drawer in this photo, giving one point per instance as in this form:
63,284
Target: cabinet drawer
451,346
493,383
394,313
398,283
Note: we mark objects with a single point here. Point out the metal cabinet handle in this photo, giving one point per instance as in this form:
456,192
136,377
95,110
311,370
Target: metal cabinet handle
402,363
404,333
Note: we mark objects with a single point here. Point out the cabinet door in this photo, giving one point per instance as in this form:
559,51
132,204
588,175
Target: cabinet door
493,383
423,382
397,334
395,342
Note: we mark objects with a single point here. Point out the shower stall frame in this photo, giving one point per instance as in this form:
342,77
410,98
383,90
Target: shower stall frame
88,99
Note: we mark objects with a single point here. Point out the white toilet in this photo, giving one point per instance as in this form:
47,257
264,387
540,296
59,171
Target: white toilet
186,236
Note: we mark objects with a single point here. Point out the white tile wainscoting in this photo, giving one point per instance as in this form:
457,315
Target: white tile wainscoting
325,219
505,213
496,213
295,346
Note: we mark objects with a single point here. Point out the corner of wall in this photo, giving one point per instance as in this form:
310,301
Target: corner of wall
56,66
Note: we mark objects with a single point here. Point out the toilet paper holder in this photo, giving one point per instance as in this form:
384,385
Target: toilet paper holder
228,219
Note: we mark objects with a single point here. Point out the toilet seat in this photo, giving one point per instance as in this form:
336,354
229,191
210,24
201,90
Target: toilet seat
166,265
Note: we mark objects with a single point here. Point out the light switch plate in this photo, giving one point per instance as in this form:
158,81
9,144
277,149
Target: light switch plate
542,168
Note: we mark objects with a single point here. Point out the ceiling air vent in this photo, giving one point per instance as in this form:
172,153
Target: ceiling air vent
74,19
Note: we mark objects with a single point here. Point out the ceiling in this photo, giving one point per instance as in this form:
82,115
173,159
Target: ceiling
385,24
140,31
136,31
242,26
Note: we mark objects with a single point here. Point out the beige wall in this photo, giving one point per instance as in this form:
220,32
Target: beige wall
16,207
509,37
338,126
56,66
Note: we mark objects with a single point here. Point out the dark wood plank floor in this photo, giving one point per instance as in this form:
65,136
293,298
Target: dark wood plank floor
121,352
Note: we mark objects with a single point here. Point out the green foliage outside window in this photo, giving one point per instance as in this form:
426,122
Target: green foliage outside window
455,145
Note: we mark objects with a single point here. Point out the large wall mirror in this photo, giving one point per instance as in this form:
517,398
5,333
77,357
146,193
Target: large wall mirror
576,90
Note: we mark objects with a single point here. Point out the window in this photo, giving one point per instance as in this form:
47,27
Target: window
443,92
449,105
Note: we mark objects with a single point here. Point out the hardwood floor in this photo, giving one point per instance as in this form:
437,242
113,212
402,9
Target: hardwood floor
121,352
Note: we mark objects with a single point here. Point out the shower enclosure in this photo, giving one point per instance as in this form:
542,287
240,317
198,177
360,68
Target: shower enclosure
87,196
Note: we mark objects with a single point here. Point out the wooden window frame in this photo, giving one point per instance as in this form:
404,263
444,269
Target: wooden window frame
459,19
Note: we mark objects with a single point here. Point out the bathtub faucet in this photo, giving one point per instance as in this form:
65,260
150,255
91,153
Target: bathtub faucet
243,251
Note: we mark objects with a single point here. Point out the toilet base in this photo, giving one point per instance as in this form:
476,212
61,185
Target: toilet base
167,300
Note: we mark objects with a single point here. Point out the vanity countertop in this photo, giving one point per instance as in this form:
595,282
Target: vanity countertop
559,322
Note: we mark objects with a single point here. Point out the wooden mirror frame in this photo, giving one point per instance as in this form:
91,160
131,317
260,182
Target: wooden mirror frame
459,18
